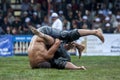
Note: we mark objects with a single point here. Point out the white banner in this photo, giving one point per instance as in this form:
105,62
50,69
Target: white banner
94,46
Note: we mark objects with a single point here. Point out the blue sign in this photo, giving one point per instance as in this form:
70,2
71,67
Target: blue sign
6,45
22,38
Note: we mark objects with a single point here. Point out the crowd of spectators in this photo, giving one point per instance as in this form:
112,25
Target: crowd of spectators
80,14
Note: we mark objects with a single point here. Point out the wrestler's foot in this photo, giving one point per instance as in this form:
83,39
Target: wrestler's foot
34,31
80,48
99,34
82,68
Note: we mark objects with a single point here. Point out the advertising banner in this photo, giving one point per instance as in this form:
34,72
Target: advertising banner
6,45
93,46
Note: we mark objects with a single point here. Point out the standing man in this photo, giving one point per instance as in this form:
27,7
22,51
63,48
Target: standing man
57,23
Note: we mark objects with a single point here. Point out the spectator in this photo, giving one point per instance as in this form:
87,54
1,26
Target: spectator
112,17
66,25
104,9
105,21
61,16
16,26
84,24
108,28
24,16
79,16
45,21
27,23
40,13
6,26
10,17
70,17
56,22
30,11
68,12
90,15
117,22
74,24
97,23
100,15
117,30
35,20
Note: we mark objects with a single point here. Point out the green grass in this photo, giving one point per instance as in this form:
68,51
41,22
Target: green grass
98,68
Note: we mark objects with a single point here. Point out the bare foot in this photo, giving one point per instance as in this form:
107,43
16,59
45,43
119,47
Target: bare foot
99,34
80,48
82,68
34,31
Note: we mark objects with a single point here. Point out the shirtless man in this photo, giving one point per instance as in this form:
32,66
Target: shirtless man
42,57
40,54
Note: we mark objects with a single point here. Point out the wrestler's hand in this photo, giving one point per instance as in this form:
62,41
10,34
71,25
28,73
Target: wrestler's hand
57,41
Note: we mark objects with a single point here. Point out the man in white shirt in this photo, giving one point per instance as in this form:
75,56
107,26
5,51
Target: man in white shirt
57,23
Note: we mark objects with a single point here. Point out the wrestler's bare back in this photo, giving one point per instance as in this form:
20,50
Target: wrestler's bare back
35,50
38,52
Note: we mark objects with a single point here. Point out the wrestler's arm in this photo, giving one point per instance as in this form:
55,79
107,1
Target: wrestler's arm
48,54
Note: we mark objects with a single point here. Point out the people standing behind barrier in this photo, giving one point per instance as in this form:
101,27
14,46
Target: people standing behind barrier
117,30
117,22
10,17
74,24
27,23
45,21
97,23
23,16
35,19
66,25
6,26
57,23
105,21
61,16
108,28
111,16
84,24
16,26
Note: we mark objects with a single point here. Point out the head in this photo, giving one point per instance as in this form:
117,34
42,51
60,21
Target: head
97,20
84,18
27,20
54,16
107,26
107,19
35,14
118,18
60,12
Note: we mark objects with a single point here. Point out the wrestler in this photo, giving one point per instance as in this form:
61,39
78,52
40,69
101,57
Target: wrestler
62,60
41,56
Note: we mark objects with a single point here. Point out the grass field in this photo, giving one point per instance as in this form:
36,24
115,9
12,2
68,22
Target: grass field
98,68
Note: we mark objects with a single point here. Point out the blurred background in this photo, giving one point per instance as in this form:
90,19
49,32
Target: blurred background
17,15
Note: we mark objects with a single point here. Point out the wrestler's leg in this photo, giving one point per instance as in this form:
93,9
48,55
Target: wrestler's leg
72,45
79,47
98,33
63,63
49,40
71,66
